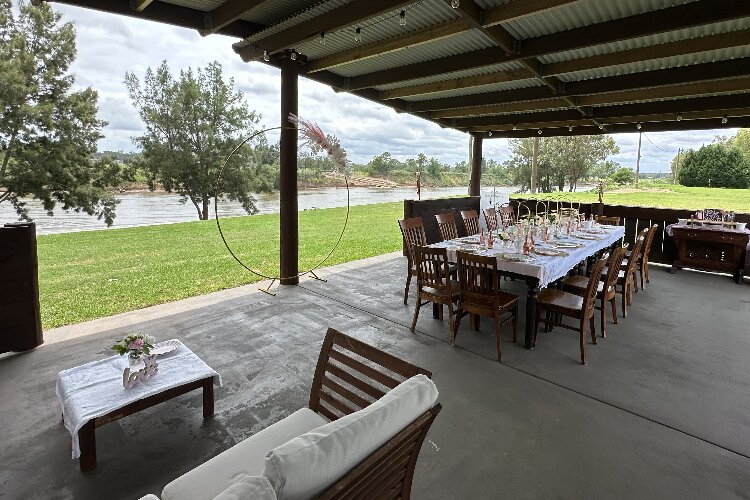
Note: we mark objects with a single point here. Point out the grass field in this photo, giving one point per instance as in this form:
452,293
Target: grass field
92,274
665,196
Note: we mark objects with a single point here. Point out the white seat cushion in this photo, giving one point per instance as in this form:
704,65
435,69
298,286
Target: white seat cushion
305,466
245,458
248,488
150,496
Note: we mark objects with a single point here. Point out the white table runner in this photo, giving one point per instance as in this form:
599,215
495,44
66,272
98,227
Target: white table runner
546,268
95,389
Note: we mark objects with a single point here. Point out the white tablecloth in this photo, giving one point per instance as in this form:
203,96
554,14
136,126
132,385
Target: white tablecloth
95,389
545,268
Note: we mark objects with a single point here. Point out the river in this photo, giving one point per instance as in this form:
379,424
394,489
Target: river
147,208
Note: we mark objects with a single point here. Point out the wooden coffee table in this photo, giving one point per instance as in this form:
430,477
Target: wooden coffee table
87,406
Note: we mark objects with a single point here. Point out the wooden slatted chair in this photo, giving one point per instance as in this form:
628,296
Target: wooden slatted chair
349,376
447,225
480,295
626,277
490,218
413,232
471,221
606,291
583,308
434,284
603,219
507,215
642,259
643,234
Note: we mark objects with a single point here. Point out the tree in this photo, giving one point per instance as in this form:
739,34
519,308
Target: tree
742,141
193,123
623,175
715,165
48,133
576,156
604,169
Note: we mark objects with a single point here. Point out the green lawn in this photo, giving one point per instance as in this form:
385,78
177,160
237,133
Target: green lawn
666,196
92,274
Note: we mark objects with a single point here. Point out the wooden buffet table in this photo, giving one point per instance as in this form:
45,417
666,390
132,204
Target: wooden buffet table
710,248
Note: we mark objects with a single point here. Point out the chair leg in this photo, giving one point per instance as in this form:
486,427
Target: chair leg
406,288
450,319
515,321
536,324
645,269
592,324
583,341
635,282
624,300
613,303
604,318
498,338
416,312
547,321
456,322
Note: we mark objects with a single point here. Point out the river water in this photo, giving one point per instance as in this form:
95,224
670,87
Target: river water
147,208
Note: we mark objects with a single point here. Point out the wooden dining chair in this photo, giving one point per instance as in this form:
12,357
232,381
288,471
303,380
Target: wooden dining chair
642,258
643,234
490,218
606,290
413,232
480,295
447,225
603,219
557,302
507,214
626,276
434,284
471,221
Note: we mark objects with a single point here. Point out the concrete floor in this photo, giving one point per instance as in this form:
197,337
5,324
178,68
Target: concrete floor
662,410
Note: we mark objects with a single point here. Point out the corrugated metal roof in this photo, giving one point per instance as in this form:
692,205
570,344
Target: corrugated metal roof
458,74
268,13
197,4
458,44
495,87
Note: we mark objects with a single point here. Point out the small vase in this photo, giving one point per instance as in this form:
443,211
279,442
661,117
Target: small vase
135,363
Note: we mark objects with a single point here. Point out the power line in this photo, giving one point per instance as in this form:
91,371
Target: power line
652,143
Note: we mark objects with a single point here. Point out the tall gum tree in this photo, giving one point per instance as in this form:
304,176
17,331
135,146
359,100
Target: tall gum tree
48,132
193,123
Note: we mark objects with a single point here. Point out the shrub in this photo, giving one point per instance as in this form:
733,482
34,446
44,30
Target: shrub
622,176
715,165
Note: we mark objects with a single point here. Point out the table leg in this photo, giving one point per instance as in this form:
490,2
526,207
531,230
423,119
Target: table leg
208,397
87,443
532,289
436,312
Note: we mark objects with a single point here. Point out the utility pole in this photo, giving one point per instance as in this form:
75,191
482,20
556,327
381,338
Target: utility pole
534,165
638,160
677,166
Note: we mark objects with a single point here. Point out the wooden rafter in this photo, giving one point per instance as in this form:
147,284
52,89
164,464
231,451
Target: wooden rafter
735,68
670,19
380,47
509,75
518,8
339,18
228,12
140,5
513,107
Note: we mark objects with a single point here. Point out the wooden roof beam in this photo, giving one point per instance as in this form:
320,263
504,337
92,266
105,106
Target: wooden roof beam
140,5
513,107
736,68
670,19
347,15
470,11
517,9
228,12
380,47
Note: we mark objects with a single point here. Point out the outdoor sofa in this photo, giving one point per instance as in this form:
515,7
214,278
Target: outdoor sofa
359,437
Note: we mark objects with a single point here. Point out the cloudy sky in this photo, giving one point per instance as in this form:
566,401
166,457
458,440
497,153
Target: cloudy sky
110,45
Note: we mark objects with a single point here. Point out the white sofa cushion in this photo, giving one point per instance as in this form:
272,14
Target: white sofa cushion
245,458
303,467
248,488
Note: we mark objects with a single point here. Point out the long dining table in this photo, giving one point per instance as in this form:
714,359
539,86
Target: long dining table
537,270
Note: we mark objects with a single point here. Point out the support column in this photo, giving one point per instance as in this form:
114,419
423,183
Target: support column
476,165
288,209
535,165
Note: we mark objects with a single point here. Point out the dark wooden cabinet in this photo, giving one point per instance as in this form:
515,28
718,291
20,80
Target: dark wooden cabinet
711,249
20,323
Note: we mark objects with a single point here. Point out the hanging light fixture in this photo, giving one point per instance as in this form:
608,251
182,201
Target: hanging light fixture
293,55
724,119
455,3
539,131
570,128
514,127
601,127
322,37
402,18
489,133
679,118
266,57
358,35
638,125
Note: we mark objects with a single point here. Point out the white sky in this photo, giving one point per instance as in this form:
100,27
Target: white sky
110,45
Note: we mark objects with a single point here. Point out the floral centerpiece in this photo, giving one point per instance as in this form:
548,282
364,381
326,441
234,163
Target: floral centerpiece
135,345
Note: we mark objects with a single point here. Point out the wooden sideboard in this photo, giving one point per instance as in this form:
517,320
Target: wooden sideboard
711,249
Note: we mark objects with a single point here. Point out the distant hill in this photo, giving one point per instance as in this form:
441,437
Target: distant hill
120,156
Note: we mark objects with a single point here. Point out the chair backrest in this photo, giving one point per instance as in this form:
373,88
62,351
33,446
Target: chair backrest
413,232
633,261
643,234
603,219
432,268
615,263
490,218
471,221
589,298
649,240
447,225
477,276
349,376
507,214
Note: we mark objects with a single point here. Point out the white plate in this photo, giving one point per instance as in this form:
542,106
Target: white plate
165,347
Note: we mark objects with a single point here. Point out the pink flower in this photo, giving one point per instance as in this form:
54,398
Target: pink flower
136,344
